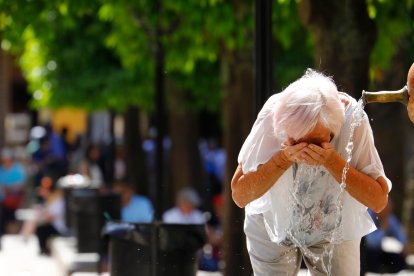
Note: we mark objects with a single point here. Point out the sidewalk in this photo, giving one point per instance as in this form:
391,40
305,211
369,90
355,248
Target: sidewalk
21,258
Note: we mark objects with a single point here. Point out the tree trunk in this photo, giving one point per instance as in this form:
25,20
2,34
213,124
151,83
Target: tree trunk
344,37
238,110
5,86
136,172
389,119
185,163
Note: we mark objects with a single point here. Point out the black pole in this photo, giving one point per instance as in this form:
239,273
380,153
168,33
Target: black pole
159,158
263,52
160,122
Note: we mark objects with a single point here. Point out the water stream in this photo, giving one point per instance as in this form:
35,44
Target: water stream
312,220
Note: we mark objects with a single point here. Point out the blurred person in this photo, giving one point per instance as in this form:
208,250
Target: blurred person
57,143
49,219
185,211
12,185
67,145
76,155
119,164
214,159
135,208
380,257
46,162
89,166
289,181
58,150
212,251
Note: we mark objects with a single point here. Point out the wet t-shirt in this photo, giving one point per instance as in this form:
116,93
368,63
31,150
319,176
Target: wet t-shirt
315,206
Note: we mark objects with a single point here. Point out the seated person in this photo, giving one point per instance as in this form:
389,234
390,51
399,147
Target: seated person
211,259
135,208
185,210
378,257
12,185
49,220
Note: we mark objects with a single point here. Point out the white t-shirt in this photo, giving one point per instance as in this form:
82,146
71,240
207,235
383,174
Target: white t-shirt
174,215
57,210
313,214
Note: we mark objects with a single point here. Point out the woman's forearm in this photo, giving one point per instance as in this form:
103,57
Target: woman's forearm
373,193
250,186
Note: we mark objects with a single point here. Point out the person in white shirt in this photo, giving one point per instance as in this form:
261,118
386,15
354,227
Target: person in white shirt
185,211
49,218
89,166
290,181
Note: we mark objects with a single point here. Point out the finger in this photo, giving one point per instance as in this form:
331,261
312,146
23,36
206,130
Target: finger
307,159
290,151
317,149
297,150
299,147
326,145
290,141
312,154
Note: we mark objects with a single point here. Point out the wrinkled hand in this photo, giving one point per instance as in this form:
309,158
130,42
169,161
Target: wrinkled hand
318,155
291,151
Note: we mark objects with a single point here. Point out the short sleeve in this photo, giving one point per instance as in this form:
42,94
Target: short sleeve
262,141
365,155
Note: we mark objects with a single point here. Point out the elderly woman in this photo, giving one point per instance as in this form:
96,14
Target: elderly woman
186,209
290,181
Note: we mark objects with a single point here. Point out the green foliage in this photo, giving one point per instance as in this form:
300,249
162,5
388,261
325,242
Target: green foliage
64,57
394,22
100,54
293,51
192,41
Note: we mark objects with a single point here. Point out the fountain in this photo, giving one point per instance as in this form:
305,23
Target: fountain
305,174
402,95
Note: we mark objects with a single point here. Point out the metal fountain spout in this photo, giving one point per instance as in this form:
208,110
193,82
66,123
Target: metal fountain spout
405,95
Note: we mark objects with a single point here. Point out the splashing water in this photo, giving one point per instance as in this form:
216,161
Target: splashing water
298,234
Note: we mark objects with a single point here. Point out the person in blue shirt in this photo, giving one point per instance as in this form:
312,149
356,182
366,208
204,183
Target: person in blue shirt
135,208
380,257
12,181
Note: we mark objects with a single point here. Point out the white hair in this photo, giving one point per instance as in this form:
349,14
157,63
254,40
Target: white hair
311,99
188,195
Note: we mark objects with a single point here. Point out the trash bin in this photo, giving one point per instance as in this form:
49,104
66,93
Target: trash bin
89,211
154,249
86,212
69,183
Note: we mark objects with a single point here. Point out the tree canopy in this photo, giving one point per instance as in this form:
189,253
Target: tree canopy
100,54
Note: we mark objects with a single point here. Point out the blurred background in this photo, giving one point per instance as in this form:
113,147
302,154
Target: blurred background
160,95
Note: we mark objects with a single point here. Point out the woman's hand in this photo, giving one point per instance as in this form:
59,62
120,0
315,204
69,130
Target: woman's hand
318,155
291,151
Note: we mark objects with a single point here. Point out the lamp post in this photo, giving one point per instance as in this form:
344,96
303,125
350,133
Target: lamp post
263,52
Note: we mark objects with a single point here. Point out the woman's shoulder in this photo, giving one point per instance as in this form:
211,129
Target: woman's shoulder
347,99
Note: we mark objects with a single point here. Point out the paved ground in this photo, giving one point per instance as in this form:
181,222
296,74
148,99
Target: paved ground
21,258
